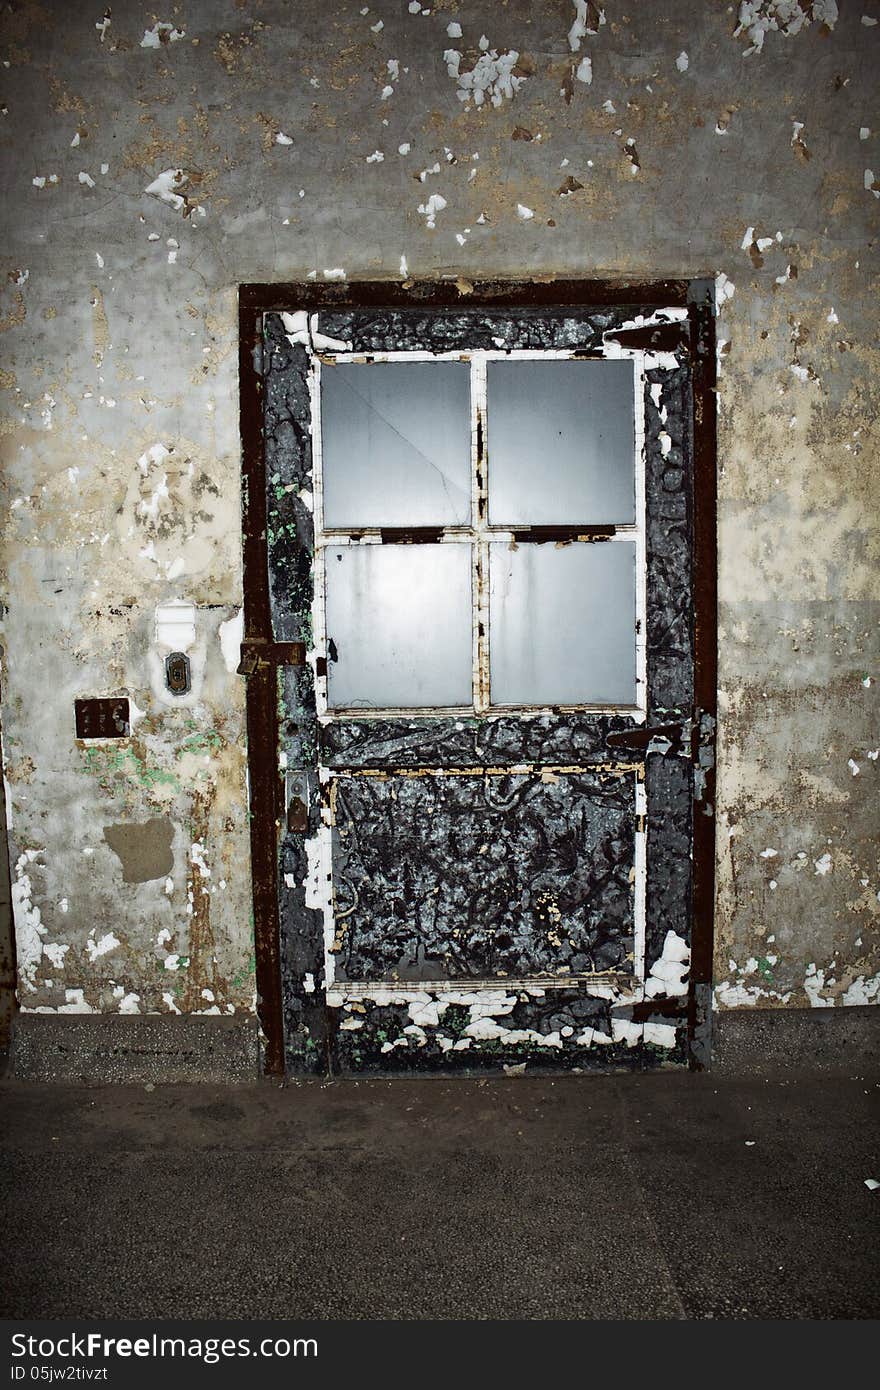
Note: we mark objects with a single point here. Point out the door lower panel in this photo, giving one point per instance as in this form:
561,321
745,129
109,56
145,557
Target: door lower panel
494,876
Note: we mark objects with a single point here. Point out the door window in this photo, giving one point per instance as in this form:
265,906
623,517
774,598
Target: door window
480,532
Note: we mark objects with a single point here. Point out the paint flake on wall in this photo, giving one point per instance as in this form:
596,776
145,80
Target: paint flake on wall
164,187
493,75
161,33
429,209
29,929
759,17
588,19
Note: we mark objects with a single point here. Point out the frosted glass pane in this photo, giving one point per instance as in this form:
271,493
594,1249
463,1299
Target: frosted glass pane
562,624
561,443
397,445
399,620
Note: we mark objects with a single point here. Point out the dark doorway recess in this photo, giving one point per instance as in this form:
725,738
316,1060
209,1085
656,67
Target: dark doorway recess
480,652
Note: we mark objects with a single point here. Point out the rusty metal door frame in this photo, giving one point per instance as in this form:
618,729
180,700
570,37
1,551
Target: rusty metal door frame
263,657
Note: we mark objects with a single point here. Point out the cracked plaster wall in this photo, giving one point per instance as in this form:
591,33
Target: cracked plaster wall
258,125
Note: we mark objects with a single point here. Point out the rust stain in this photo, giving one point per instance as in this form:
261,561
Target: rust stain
100,326
18,313
202,970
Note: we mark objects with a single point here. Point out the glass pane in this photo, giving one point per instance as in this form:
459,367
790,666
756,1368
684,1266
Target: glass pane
561,443
397,444
399,625
562,624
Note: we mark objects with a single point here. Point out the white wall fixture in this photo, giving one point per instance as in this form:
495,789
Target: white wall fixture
176,625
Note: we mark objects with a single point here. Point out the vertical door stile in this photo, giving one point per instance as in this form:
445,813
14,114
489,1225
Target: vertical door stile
479,519
642,812
319,621
641,541
641,880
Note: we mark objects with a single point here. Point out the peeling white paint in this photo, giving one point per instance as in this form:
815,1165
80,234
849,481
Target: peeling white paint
492,75
319,892
161,33
197,858
582,24
584,71
657,361
164,186
724,290
758,17
426,1012
738,995
814,983
231,634
487,1007
822,865
660,1034
624,1030
436,203
302,329
29,929
862,991
668,975
74,1003
96,949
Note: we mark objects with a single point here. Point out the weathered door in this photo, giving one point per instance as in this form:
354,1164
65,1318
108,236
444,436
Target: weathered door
480,529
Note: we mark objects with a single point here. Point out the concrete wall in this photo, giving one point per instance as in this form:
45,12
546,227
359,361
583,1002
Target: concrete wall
690,156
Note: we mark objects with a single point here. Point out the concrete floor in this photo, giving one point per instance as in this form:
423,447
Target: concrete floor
666,1196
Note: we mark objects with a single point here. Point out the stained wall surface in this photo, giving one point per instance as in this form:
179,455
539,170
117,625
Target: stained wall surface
154,161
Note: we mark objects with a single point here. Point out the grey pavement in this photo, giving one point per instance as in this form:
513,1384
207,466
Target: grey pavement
662,1196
